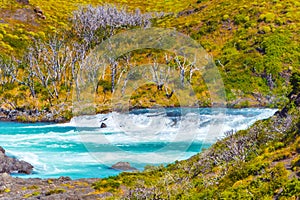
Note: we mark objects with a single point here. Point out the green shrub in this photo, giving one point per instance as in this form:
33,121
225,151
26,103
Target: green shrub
225,17
241,19
106,85
295,82
55,191
296,162
106,184
68,114
266,29
282,156
279,145
269,17
291,189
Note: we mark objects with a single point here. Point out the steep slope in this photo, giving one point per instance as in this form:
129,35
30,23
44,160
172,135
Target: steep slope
256,47
261,162
254,44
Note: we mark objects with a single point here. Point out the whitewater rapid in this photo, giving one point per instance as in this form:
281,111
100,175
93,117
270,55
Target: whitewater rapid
81,149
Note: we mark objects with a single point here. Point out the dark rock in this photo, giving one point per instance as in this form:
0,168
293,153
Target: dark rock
170,95
297,100
98,196
103,125
2,150
174,113
25,2
160,86
189,12
38,10
64,178
9,165
24,115
39,13
59,119
49,116
293,98
282,113
41,16
125,166
4,178
61,188
186,13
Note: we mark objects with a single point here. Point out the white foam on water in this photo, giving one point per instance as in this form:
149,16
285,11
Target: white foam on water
49,149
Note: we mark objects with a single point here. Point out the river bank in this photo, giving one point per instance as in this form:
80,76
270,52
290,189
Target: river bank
62,113
63,187
60,188
142,137
51,188
25,115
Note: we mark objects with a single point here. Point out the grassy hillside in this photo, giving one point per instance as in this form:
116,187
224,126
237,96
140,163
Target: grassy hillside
19,22
262,162
254,44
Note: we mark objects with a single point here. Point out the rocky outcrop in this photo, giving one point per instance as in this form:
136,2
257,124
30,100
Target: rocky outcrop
62,188
10,165
35,115
124,166
190,11
103,125
25,2
39,13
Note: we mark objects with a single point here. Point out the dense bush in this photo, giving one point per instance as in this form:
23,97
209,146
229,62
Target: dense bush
295,82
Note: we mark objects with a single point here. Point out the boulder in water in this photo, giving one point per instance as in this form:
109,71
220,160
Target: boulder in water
2,150
124,166
10,165
103,125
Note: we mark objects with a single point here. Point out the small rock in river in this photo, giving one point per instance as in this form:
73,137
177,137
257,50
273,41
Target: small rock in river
125,166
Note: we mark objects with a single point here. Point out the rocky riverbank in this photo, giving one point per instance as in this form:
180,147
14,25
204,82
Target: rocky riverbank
51,189
62,113
62,188
24,115
12,165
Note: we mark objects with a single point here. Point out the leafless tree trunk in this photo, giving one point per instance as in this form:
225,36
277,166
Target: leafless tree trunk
95,24
8,71
92,25
184,65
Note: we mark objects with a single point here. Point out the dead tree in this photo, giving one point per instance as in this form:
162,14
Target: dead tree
185,66
47,62
93,25
8,71
27,78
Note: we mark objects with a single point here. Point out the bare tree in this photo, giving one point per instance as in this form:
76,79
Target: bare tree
47,63
28,78
113,69
160,75
126,67
77,53
95,24
8,71
185,66
92,25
